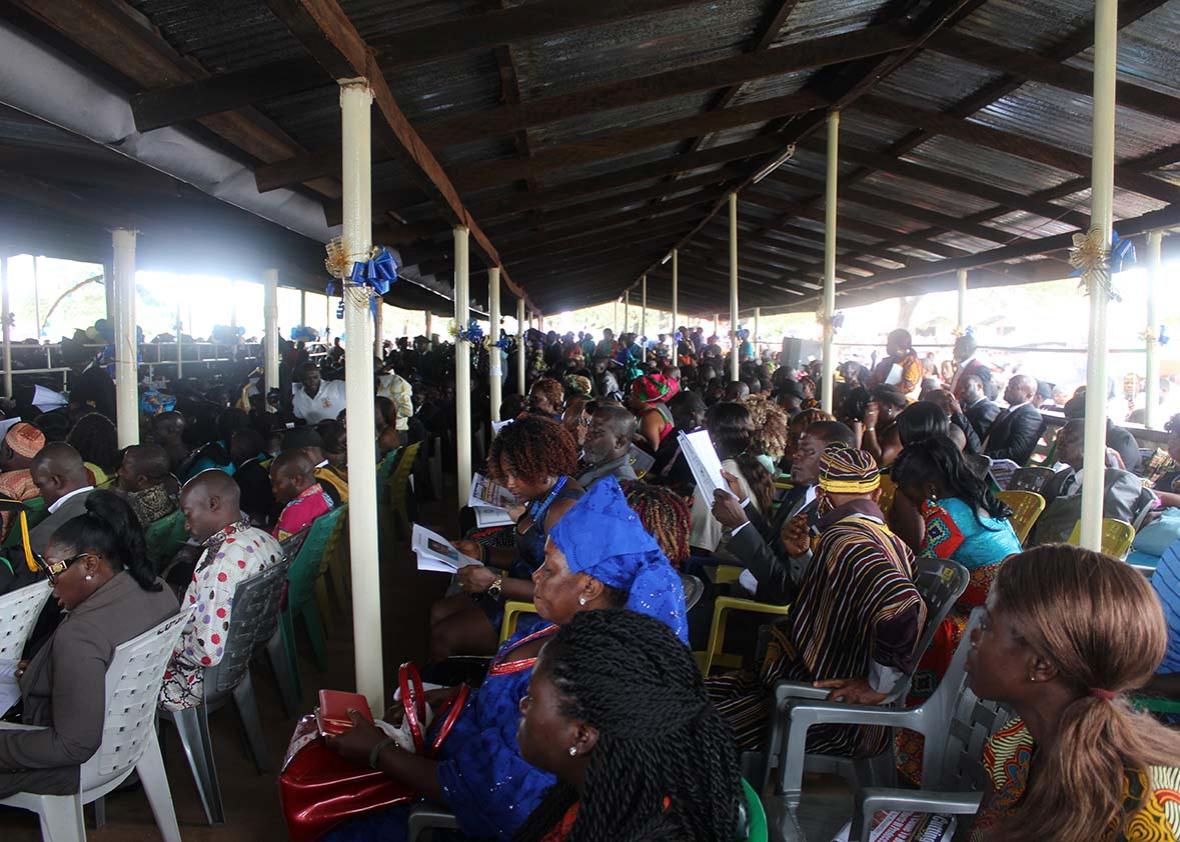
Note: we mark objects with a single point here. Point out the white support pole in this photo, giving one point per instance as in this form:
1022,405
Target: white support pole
1151,409
495,372
302,308
828,372
962,317
675,293
1101,221
327,317
626,310
757,333
179,340
37,295
6,315
717,325
429,329
233,304
614,318
270,315
521,351
643,316
462,368
356,102
126,348
733,288
379,330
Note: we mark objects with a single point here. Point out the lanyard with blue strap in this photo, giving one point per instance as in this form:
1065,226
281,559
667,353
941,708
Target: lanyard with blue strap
537,510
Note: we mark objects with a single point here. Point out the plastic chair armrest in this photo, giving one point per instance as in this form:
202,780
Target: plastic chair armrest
737,603
16,726
784,690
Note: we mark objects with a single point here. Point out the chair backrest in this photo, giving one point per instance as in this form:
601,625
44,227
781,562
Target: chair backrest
164,537
961,724
1026,507
385,468
1117,537
305,567
19,610
1030,479
255,616
756,827
133,684
694,588
399,477
940,582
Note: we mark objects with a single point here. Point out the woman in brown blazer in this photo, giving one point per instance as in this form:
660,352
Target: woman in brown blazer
98,569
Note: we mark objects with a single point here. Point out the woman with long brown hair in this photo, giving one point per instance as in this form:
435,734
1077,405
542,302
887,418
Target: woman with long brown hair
1067,635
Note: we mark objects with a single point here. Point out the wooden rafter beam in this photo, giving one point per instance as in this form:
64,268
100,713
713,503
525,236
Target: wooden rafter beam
536,246
186,99
331,38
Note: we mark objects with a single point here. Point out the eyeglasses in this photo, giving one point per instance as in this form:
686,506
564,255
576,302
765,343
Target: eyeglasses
56,568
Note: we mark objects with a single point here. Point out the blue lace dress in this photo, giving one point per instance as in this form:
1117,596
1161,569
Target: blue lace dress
484,780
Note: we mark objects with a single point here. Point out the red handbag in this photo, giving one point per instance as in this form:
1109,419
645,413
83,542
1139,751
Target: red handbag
319,789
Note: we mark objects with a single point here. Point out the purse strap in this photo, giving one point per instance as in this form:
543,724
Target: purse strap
454,707
413,702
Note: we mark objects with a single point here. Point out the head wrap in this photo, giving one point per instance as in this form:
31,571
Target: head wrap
24,439
578,385
845,470
651,388
602,537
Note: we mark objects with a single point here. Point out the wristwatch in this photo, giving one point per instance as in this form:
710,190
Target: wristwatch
496,587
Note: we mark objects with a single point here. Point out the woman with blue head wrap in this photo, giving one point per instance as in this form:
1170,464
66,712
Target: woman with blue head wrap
599,555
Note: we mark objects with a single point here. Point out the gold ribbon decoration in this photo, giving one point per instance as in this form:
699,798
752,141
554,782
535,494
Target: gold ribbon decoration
1090,256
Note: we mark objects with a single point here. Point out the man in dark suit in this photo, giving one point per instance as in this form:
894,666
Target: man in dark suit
967,366
980,411
60,476
759,544
1015,432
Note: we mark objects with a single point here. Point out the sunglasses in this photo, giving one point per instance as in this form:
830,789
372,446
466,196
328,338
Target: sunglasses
56,568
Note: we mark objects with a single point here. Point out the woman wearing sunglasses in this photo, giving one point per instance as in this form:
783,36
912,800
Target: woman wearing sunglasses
101,578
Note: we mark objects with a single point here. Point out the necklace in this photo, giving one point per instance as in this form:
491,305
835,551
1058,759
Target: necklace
537,510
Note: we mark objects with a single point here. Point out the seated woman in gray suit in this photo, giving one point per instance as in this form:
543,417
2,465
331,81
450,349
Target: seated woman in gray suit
100,575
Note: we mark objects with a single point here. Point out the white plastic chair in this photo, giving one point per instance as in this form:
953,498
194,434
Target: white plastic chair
19,611
128,741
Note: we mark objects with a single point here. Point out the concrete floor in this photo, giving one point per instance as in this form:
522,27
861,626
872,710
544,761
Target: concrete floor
251,799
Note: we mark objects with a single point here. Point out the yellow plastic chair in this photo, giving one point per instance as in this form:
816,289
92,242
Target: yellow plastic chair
713,655
399,487
512,613
1117,537
888,490
1026,507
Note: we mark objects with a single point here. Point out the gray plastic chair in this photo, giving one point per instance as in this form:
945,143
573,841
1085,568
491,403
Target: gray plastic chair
955,724
427,816
1030,479
253,623
940,582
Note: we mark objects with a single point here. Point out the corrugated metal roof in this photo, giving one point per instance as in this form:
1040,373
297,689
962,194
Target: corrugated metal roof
229,35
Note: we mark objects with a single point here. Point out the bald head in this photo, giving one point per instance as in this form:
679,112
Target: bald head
1021,389
291,474
210,502
57,470
609,436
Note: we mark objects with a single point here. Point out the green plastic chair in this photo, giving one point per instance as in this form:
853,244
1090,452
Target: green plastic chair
757,830
399,488
384,469
164,537
301,580
35,512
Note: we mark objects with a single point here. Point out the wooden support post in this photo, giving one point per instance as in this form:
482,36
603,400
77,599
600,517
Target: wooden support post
1152,375
828,376
733,288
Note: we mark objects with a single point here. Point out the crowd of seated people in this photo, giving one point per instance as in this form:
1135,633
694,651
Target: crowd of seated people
592,720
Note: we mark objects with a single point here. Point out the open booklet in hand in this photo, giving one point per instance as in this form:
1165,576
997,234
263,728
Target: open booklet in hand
490,501
702,459
437,553
893,826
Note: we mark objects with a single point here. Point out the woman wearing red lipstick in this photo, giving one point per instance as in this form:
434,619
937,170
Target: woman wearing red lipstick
101,578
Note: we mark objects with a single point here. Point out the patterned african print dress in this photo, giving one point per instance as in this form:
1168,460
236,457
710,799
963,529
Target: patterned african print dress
856,605
1151,800
980,544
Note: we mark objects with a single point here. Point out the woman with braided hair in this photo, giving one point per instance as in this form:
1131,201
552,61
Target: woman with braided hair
617,710
664,514
534,458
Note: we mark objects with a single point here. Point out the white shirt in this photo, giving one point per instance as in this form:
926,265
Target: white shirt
57,504
959,372
398,390
326,405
